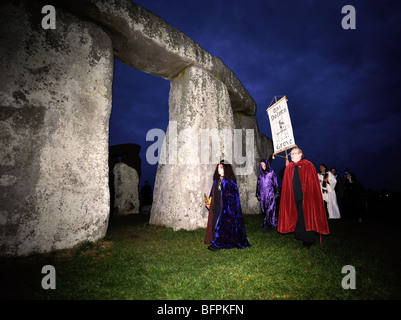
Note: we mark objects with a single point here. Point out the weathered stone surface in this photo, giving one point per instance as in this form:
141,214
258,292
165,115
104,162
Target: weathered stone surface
263,148
127,153
126,180
55,103
145,41
197,101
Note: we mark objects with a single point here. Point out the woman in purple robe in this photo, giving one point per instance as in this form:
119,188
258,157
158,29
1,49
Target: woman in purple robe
225,228
267,192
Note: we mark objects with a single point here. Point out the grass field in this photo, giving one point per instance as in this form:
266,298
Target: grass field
145,262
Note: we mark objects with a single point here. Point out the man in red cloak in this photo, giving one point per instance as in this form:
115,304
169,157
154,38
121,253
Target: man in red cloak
301,205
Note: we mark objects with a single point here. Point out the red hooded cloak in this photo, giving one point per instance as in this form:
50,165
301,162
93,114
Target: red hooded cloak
313,206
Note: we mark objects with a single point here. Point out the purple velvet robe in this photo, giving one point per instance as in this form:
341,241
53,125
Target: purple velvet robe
230,227
267,190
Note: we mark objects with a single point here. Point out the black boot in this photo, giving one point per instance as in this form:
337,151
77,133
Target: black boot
212,247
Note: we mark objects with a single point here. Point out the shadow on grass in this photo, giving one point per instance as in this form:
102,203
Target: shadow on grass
140,261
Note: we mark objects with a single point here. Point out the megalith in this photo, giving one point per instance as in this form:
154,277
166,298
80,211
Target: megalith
263,148
145,41
126,195
55,104
127,153
200,111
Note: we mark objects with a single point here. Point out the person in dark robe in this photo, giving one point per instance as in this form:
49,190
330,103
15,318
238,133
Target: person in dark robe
146,194
225,227
355,194
301,206
267,192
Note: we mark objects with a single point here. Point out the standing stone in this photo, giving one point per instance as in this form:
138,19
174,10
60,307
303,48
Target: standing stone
126,182
55,104
263,148
197,101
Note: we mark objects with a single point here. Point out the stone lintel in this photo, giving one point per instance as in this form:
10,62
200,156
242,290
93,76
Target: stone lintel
146,42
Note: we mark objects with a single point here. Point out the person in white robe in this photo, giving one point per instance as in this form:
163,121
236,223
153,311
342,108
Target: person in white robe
328,183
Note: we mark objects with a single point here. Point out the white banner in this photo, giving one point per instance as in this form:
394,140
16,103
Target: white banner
280,124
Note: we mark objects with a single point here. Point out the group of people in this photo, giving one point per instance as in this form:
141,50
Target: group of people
307,200
343,196
328,182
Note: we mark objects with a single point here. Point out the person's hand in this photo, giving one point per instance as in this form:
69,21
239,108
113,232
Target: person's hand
208,206
287,162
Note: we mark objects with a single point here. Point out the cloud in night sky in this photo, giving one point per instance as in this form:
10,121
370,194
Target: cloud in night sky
343,86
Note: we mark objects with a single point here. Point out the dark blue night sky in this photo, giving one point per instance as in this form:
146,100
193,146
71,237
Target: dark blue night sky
343,86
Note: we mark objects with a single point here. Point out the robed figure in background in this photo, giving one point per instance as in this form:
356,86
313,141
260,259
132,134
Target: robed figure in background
225,227
267,192
301,205
328,183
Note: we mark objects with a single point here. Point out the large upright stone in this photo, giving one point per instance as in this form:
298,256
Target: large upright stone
262,148
55,103
126,182
199,104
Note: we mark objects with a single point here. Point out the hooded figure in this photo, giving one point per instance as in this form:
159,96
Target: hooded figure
267,192
225,227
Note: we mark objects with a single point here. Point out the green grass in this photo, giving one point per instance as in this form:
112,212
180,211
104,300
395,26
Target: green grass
141,261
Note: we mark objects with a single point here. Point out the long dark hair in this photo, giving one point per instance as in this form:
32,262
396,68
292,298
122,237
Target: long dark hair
228,172
268,166
326,174
325,168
